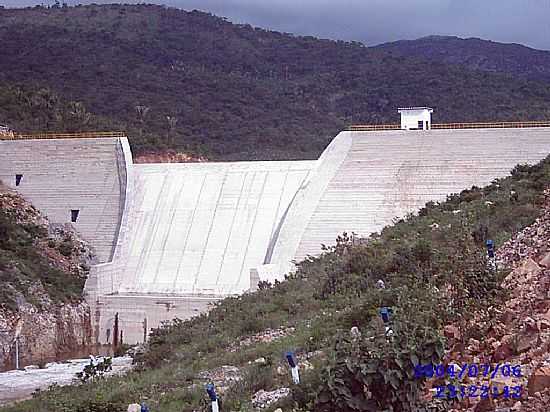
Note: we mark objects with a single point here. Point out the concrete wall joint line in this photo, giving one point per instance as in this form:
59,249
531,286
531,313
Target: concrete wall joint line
274,224
175,202
203,252
231,227
251,230
275,236
146,251
189,231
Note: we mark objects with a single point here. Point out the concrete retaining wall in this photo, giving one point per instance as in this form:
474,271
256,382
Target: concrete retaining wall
85,174
378,176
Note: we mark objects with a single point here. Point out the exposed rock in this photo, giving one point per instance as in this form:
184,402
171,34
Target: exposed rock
222,378
516,407
263,399
502,352
355,333
43,334
45,328
305,365
529,268
169,156
545,261
485,405
451,332
267,336
526,342
539,380
518,330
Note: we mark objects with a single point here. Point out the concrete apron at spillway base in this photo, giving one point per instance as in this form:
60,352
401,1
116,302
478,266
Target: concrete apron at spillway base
139,314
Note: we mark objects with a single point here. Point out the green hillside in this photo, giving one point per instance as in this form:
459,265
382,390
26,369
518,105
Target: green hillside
477,54
194,82
435,272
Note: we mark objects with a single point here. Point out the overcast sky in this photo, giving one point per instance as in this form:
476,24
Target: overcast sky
377,21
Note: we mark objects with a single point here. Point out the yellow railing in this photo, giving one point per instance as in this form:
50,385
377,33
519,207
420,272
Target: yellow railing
500,125
488,125
76,135
372,127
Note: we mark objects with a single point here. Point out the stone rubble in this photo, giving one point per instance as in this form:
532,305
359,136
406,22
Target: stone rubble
262,399
266,336
222,378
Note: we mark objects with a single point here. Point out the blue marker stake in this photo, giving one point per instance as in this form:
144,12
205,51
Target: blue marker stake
293,368
386,314
491,254
213,397
490,248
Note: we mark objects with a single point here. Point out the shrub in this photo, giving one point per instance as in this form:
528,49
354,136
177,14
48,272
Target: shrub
377,372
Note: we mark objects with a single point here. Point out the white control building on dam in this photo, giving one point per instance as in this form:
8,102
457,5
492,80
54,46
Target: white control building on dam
172,238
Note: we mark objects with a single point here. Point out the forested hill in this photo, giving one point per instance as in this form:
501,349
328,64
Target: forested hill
477,54
194,82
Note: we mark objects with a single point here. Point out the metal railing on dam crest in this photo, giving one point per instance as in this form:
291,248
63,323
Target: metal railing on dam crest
55,135
439,126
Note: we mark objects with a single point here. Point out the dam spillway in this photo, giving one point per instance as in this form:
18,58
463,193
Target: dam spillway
173,238
198,228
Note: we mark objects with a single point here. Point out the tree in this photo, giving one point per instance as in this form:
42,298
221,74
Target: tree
172,122
141,112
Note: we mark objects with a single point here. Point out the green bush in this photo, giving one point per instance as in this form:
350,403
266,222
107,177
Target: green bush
66,248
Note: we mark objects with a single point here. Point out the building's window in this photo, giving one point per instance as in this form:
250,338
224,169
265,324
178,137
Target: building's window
427,125
74,215
18,179
420,124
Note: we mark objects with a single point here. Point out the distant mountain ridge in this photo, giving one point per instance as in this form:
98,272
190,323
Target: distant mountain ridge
191,82
477,54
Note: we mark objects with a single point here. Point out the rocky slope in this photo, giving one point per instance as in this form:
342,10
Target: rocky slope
518,331
41,270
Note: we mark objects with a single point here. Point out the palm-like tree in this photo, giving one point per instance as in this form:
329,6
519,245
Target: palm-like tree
172,122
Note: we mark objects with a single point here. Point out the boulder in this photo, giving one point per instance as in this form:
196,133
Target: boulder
485,405
527,341
546,315
474,346
545,261
502,382
508,316
539,380
528,268
544,324
451,332
502,352
134,407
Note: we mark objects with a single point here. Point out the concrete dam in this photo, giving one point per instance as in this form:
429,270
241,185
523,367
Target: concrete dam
173,238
